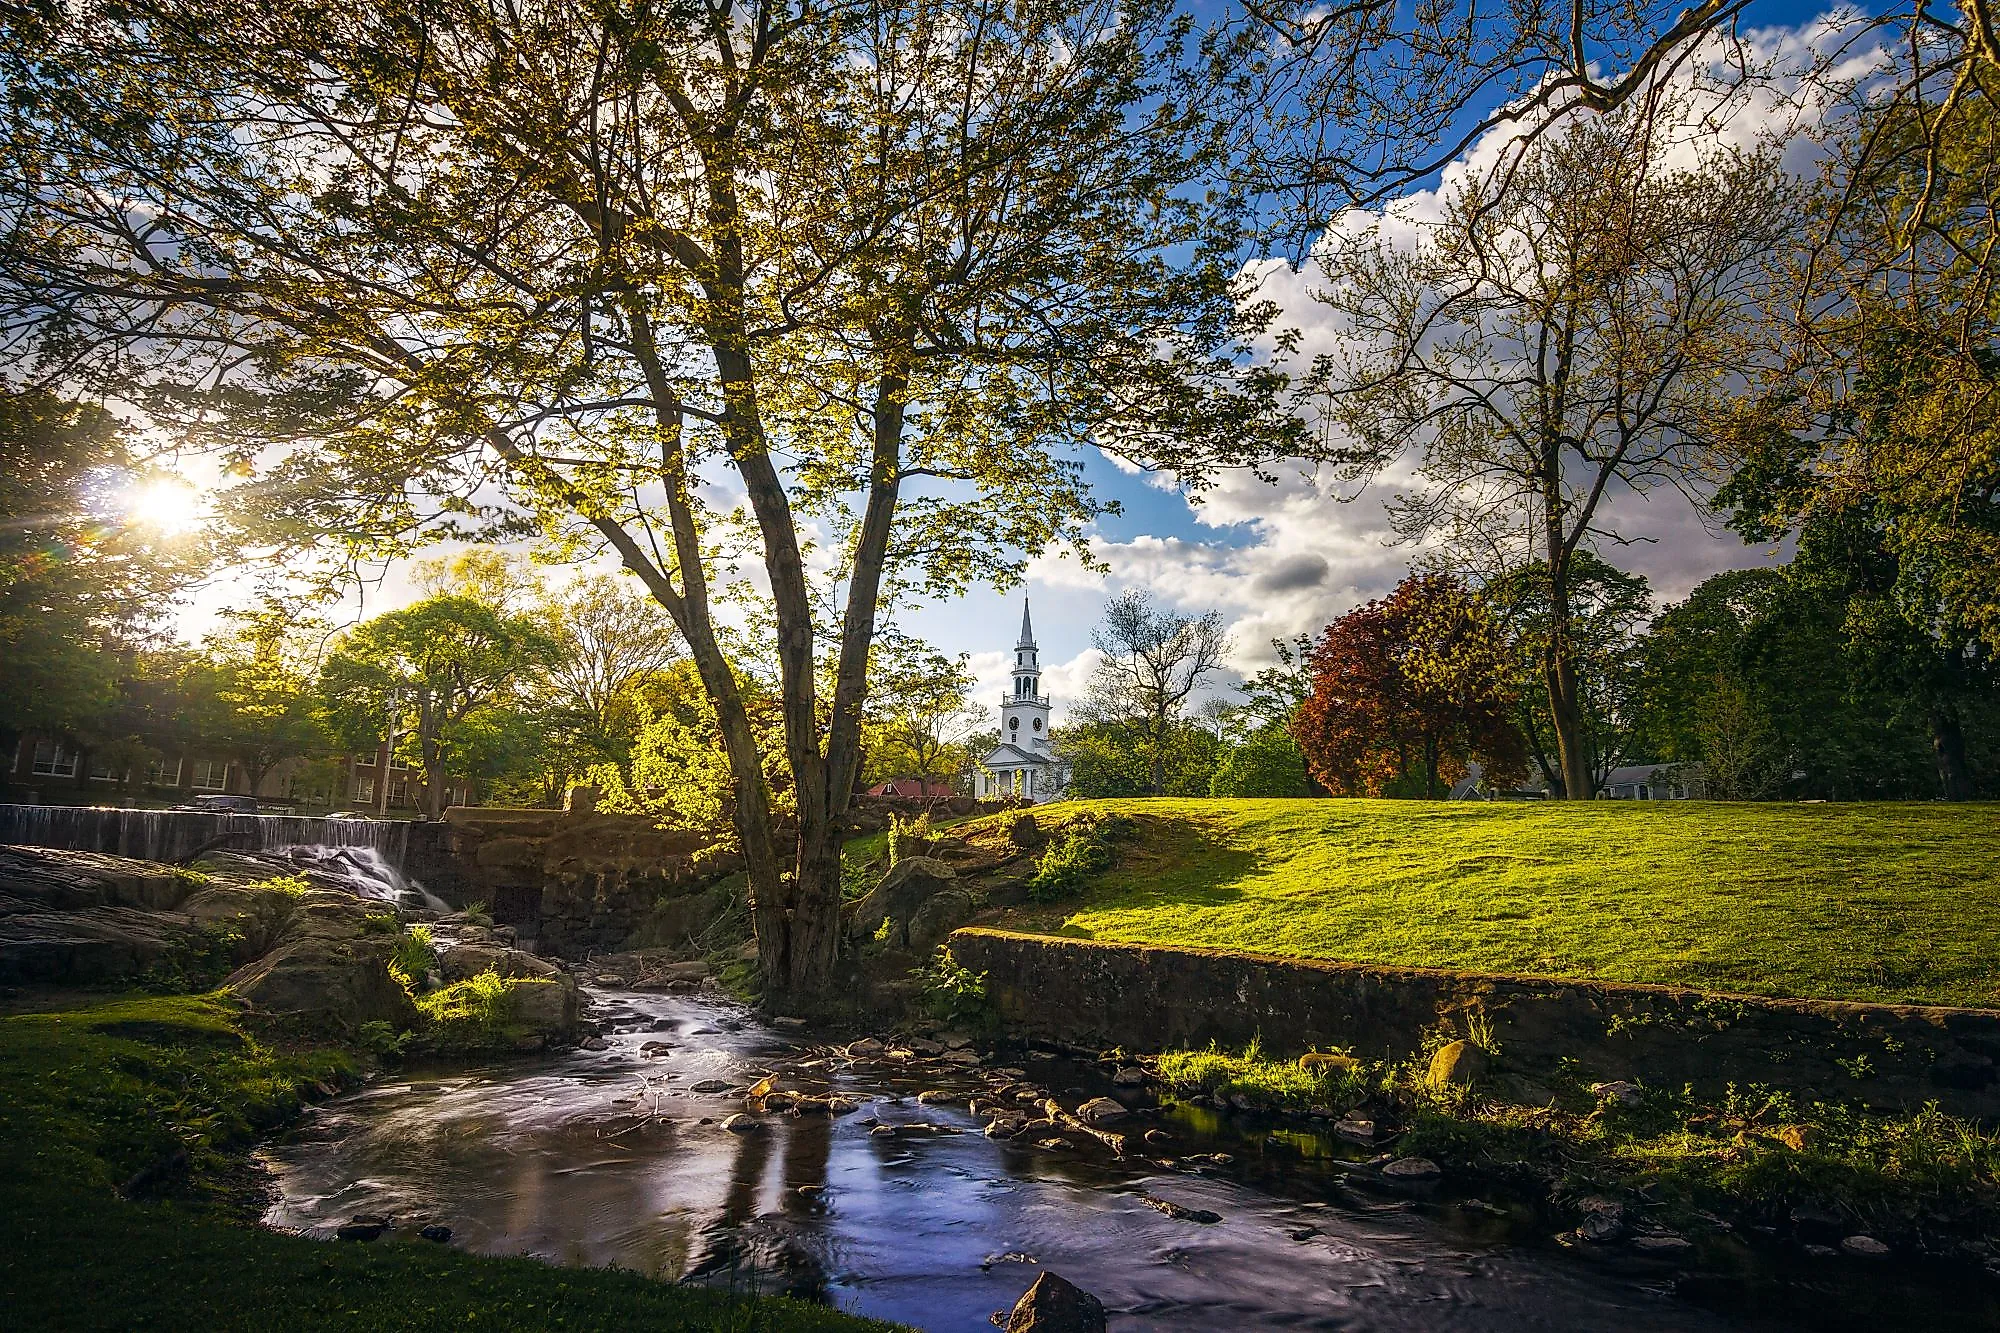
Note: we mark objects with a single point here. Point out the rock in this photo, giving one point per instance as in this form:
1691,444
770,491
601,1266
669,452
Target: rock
1055,1306
1129,1077
1179,1212
710,1085
900,896
1329,1061
1157,1138
1482,1207
739,1123
1303,1233
1411,1171
1357,1128
955,1041
1864,1247
1099,1110
1820,1251
864,1048
362,1226
1603,1220
595,1044
935,1097
1621,1091
436,1233
1662,1246
924,1046
654,1049
1458,1064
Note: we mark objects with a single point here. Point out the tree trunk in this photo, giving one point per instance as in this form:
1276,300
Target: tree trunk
1948,747
1559,675
431,752
1430,768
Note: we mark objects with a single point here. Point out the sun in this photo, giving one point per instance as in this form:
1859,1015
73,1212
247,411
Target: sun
168,505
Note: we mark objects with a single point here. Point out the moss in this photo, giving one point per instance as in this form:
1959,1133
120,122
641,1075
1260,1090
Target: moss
160,1097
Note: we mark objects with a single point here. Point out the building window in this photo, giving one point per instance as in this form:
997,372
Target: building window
364,790
210,775
1038,724
164,773
399,792
101,770
53,759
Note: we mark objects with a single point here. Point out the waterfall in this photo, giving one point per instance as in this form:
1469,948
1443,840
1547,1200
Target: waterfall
175,835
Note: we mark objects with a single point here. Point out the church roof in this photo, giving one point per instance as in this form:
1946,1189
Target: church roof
1011,755
1027,639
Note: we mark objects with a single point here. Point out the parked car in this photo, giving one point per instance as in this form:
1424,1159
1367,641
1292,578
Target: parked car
221,805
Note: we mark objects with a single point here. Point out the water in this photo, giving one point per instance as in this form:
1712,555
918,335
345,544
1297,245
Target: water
364,856
600,1158
175,835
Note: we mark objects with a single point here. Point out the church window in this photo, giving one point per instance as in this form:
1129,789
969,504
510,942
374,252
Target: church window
1013,724
1038,724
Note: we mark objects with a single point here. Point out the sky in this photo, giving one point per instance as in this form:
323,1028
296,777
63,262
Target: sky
1276,559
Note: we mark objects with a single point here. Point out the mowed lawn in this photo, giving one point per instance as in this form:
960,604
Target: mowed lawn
1861,902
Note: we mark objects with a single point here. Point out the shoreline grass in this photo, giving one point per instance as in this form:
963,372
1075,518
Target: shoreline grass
1890,903
162,1097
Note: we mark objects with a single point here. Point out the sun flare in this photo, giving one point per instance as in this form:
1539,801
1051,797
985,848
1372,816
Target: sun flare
167,504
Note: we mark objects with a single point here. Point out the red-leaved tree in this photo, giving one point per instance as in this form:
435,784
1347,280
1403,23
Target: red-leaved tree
1410,690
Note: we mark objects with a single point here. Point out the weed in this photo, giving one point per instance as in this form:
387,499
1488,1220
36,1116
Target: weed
1322,1084
380,923
1081,850
951,992
415,958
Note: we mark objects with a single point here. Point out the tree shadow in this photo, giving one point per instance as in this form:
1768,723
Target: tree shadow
1170,860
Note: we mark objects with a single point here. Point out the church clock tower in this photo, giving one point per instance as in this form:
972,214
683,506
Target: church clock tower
1024,714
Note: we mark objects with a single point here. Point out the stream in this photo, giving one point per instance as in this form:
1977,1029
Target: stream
613,1157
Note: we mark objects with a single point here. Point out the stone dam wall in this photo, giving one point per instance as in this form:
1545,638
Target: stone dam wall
1145,999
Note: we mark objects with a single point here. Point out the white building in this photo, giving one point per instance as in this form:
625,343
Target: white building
1023,765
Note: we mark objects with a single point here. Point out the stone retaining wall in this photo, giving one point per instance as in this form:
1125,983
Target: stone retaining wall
579,881
1152,999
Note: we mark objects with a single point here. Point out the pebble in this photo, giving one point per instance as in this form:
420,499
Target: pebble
709,1085
739,1123
1864,1247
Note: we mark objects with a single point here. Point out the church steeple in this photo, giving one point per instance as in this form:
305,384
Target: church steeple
1027,664
1027,639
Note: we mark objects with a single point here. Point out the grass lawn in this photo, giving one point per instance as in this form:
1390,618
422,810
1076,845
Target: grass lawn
1856,902
92,1096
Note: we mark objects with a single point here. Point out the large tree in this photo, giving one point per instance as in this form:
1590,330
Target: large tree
1408,692
1557,338
1151,661
439,676
699,284
83,580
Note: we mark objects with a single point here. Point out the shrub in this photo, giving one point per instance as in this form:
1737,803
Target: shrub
951,992
1080,851
471,1014
415,958
291,886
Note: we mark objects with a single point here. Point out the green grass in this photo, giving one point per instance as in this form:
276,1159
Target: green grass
1881,902
1287,1084
160,1096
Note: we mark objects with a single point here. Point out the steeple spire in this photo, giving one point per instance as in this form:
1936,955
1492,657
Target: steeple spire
1027,639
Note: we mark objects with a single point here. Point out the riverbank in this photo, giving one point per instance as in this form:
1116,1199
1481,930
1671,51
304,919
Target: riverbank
127,1198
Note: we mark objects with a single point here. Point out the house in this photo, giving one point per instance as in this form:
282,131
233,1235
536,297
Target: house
1650,782
50,769
1023,766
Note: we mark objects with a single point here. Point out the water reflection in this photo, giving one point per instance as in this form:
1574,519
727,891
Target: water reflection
604,1158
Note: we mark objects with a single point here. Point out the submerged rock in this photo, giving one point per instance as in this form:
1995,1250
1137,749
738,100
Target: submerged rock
1055,1306
362,1226
1864,1247
740,1123
1178,1211
1098,1110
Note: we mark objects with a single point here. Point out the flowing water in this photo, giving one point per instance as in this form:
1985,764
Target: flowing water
613,1157
363,855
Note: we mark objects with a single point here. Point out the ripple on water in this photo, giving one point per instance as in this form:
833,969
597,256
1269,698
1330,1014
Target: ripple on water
600,1158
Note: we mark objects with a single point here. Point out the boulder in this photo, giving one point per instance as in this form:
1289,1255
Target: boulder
1055,1306
1099,1110
543,1012
1458,1064
327,971
902,893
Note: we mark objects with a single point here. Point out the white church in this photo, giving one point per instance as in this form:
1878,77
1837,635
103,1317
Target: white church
1024,764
